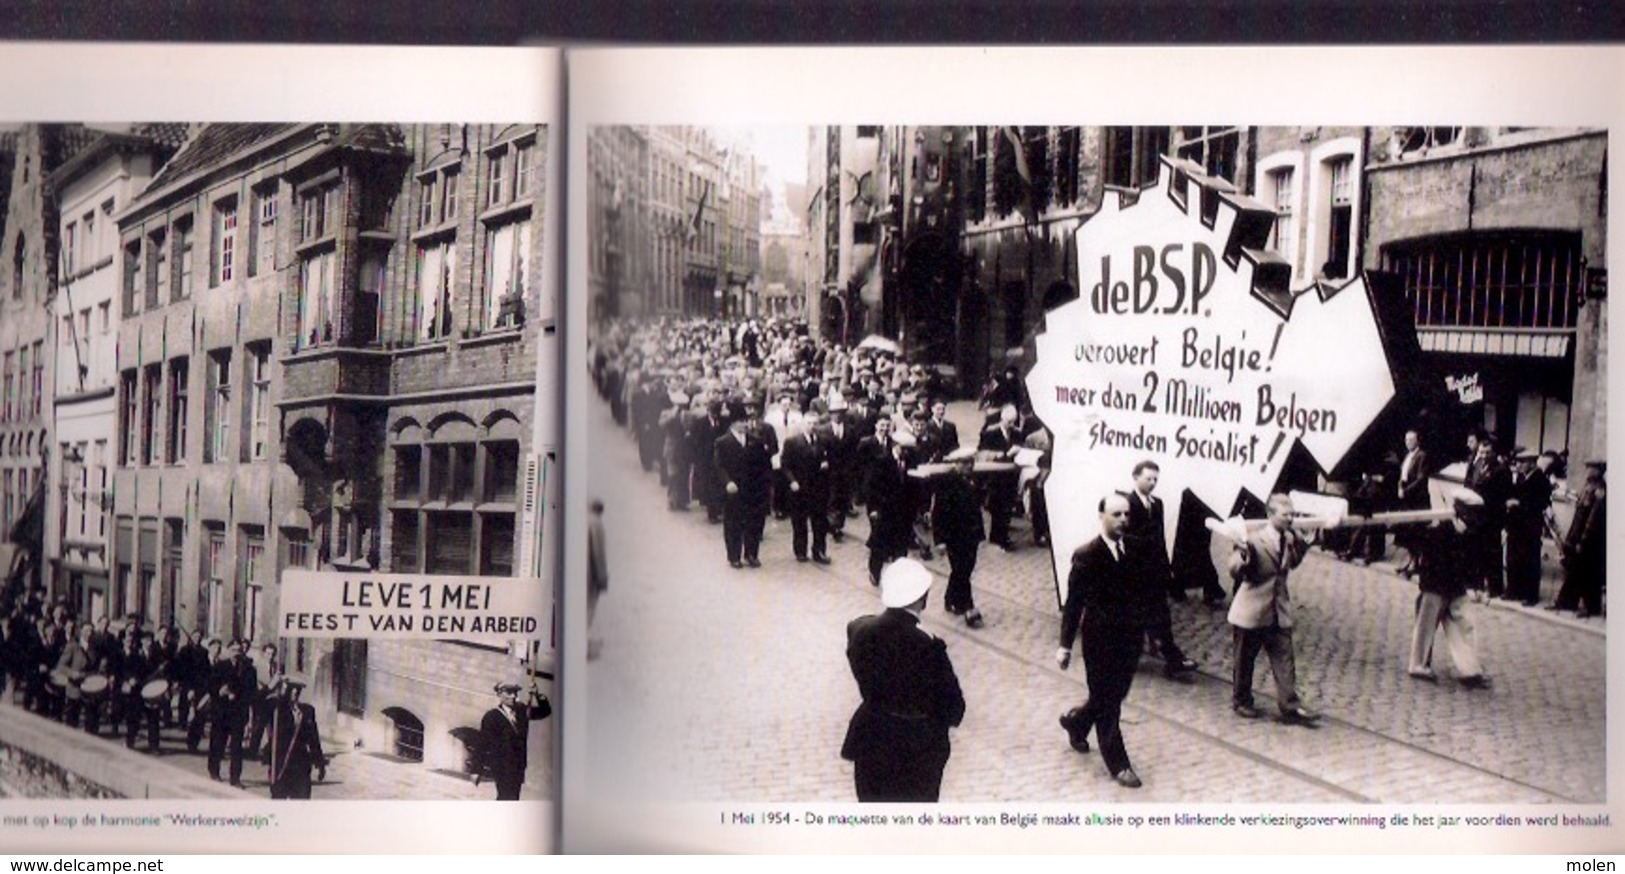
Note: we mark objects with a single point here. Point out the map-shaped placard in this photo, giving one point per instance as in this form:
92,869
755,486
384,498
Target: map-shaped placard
1187,347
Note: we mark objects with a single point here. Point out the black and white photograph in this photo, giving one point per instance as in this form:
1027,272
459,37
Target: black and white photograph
969,464
238,353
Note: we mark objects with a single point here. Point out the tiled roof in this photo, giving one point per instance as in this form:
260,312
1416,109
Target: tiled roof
169,133
378,137
65,141
211,145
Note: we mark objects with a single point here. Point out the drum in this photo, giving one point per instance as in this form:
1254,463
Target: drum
59,682
94,685
155,692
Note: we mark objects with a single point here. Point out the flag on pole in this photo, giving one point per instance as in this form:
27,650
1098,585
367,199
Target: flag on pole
694,223
1025,205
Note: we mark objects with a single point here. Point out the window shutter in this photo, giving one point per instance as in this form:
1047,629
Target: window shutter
531,482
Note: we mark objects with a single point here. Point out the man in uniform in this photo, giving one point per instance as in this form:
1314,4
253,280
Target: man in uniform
1262,612
744,462
805,463
1106,593
295,745
505,738
898,738
1529,495
1149,539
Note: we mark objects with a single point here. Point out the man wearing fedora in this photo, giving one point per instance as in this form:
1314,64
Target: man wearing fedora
744,463
1528,498
295,748
898,738
505,738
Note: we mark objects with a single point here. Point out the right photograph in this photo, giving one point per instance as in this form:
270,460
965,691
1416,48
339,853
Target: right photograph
1184,464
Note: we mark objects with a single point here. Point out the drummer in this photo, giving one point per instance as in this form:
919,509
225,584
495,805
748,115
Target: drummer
132,673
72,668
144,683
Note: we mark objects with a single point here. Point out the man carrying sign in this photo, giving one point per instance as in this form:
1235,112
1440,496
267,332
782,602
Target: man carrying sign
505,737
1262,612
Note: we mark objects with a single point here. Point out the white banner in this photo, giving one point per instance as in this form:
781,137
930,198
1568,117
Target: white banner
422,606
1174,353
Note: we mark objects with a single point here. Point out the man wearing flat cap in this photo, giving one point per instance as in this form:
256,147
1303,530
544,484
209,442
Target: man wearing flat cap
505,738
1584,556
295,743
898,738
1528,499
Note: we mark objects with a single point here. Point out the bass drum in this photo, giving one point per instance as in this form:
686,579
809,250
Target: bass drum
155,692
95,685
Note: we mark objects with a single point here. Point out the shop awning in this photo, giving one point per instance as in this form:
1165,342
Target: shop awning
1528,344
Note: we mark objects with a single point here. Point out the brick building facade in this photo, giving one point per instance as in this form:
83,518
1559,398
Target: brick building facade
328,361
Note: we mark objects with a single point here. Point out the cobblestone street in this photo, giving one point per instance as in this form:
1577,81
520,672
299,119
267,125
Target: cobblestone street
717,684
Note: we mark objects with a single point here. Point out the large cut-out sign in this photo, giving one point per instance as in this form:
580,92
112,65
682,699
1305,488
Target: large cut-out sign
1187,347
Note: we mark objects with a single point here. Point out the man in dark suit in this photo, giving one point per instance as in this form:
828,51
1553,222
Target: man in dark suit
806,466
889,497
505,738
1003,438
235,684
944,434
1105,597
956,520
844,471
1529,495
295,748
1489,480
744,462
702,438
898,738
1146,534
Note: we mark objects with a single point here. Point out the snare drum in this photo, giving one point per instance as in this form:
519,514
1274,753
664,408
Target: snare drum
60,682
95,685
155,693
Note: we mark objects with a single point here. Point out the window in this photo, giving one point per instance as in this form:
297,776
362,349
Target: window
19,255
124,552
437,197
1285,234
1131,155
316,212
139,598
151,382
1423,138
38,387
507,252
317,287
223,243
217,408
174,550
157,262
496,185
89,246
1524,280
252,559
176,448
1342,218
183,252
258,412
408,471
404,542
68,234
496,545
98,475
1215,148
262,242
212,588
501,471
105,310
128,444
10,388
132,277
365,308
298,543
11,500
436,264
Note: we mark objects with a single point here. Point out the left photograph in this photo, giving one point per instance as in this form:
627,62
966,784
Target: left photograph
273,462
